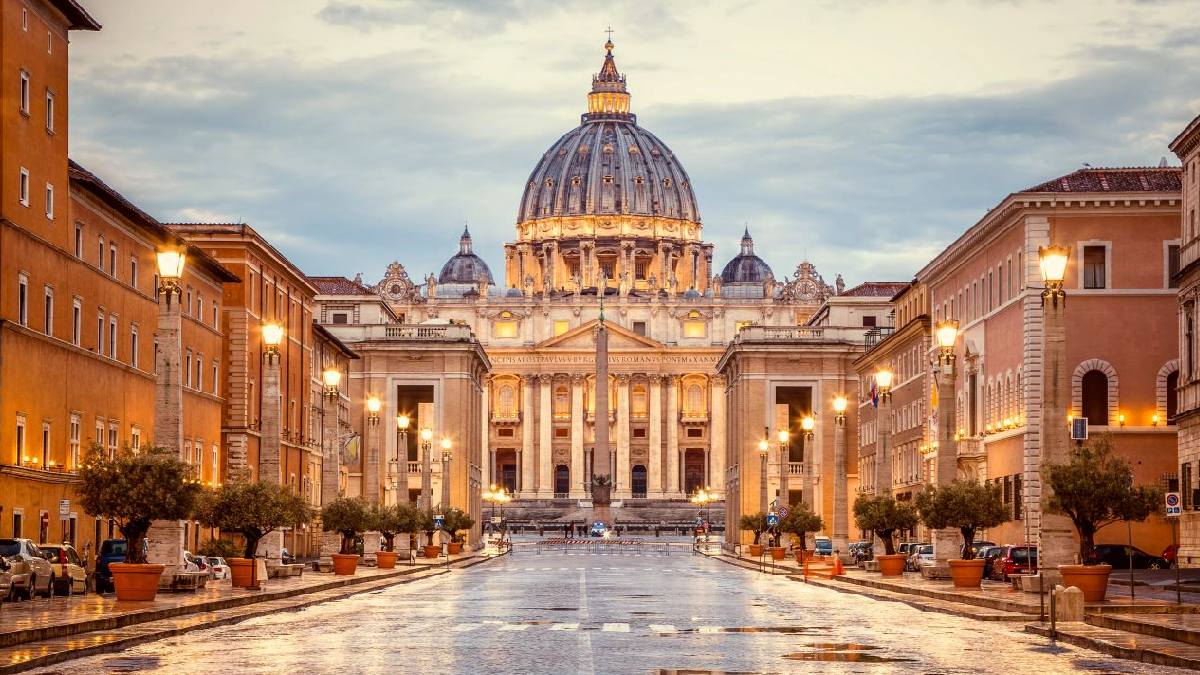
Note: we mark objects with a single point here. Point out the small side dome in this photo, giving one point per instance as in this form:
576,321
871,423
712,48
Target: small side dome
746,268
514,293
465,267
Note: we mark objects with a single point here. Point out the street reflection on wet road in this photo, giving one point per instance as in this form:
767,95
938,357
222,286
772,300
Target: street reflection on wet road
588,613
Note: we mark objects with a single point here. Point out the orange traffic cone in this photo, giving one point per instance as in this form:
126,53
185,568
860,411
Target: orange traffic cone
838,569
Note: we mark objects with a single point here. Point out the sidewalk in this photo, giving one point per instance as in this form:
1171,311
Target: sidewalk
41,633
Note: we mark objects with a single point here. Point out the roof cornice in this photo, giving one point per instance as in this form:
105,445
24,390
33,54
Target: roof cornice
1187,139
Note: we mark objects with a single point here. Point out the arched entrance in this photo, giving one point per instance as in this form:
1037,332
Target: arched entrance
693,471
562,480
638,478
506,469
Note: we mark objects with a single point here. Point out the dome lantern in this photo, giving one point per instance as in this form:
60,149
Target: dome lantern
608,99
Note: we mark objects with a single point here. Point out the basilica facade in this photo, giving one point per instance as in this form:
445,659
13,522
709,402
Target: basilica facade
608,222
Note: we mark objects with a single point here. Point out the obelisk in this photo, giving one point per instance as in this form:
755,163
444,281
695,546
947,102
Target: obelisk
601,464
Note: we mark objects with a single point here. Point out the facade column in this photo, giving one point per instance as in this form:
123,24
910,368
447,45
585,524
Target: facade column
330,472
487,455
947,542
370,476
578,472
545,460
164,540
624,489
1056,534
654,468
716,434
526,452
841,506
269,450
883,450
673,490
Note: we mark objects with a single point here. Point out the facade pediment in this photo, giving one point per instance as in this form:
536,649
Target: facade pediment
583,337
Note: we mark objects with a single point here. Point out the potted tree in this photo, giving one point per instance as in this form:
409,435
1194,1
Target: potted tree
348,517
755,523
253,510
425,523
390,521
882,516
800,521
456,522
1095,488
134,490
969,507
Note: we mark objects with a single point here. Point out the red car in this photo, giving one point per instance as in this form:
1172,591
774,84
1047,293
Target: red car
1015,560
1170,553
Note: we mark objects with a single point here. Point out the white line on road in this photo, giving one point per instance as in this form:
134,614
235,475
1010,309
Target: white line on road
615,628
515,626
710,629
565,626
662,628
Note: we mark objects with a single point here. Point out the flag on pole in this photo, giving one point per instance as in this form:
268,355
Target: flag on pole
874,394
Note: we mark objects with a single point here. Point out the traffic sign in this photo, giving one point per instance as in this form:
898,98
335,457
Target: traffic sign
772,520
1174,504
439,520
783,512
64,507
496,520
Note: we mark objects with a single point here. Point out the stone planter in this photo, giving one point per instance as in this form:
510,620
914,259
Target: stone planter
136,582
756,550
1091,579
891,565
432,551
601,495
344,564
454,547
778,553
966,573
386,559
241,573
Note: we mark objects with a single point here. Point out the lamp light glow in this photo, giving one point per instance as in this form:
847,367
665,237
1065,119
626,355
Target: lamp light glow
272,334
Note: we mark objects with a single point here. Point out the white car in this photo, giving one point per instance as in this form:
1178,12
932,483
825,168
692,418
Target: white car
220,568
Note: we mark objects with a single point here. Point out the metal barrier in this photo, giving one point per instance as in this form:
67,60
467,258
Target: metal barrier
636,547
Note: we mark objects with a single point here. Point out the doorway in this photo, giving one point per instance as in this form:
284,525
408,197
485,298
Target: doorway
638,478
562,481
693,471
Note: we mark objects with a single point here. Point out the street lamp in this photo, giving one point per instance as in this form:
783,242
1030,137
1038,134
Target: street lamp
171,261
883,380
332,377
400,459
272,336
446,472
374,405
807,423
883,453
1053,263
946,333
702,498
426,469
764,447
841,532
1055,539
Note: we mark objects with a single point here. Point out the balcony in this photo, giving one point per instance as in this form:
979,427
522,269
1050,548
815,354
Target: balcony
612,416
414,468
506,418
876,335
435,332
693,417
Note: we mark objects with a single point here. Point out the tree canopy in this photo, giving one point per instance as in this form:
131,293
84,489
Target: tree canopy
754,522
965,505
801,520
253,509
393,519
348,516
883,515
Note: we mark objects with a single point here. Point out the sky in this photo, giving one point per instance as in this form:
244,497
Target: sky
863,136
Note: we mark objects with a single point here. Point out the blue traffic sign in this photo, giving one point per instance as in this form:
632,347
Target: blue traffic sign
772,520
1174,504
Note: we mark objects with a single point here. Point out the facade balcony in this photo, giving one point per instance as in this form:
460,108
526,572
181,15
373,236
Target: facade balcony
506,417
444,332
971,448
414,468
612,416
693,417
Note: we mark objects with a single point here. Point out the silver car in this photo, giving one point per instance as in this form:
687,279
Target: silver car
31,573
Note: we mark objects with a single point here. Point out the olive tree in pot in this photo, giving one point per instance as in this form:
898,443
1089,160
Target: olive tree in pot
1095,488
425,523
756,524
134,489
800,521
253,510
390,521
348,516
456,522
969,507
883,515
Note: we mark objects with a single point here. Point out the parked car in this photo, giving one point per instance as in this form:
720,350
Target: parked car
989,555
920,555
220,568
194,563
111,551
977,546
906,547
5,580
1171,554
1014,560
1118,555
31,572
823,546
69,573
598,529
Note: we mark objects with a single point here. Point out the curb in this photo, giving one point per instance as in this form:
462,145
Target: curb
1142,654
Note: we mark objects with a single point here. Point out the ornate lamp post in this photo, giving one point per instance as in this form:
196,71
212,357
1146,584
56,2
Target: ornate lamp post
270,454
426,470
883,455
841,533
945,334
446,444
785,466
764,448
703,498
331,470
370,466
165,539
398,465
807,424
1055,539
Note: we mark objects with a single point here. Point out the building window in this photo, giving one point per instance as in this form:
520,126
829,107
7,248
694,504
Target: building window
100,257
200,308
50,201
74,443
135,438
20,440
133,346
215,458
45,445
24,26
78,241
100,334
1094,266
76,322
187,369
114,433
1172,396
1172,265
18,521
199,372
562,402
639,401
133,276
112,259
506,403
24,93
1185,478
23,188
1095,397
639,327
216,318
48,310
112,337
868,321
49,111
23,299
216,369
694,402
504,329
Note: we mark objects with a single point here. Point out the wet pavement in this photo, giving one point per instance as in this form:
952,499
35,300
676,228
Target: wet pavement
615,613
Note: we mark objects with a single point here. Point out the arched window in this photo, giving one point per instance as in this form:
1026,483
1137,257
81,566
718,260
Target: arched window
506,402
562,401
1172,396
695,399
639,401
1095,397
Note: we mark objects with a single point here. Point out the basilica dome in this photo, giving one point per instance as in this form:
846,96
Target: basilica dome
465,267
609,166
746,267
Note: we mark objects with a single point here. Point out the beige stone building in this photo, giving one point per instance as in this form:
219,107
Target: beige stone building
1187,279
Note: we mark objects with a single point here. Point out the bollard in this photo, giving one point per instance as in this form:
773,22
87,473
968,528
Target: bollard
1069,604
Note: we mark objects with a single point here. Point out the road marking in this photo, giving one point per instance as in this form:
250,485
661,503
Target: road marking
515,626
464,627
615,628
710,629
565,626
662,628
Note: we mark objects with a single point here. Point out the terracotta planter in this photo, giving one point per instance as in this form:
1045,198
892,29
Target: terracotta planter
1091,579
432,551
344,564
891,565
386,559
801,555
135,582
778,552
241,572
454,547
966,573
756,550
